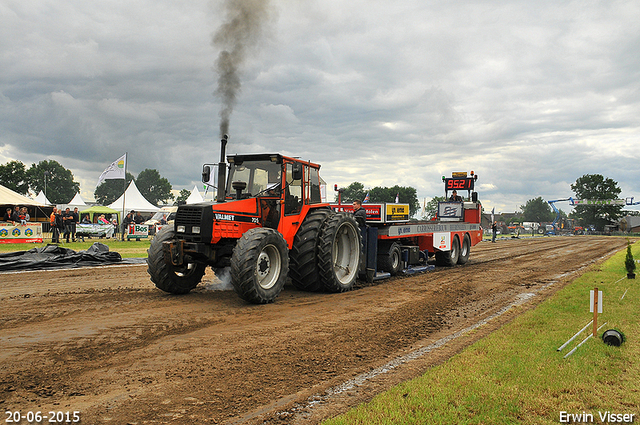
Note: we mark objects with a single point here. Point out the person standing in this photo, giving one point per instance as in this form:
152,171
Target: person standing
126,222
138,218
66,223
75,219
494,229
360,214
55,220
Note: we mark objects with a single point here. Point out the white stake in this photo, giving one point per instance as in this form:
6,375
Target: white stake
583,341
575,336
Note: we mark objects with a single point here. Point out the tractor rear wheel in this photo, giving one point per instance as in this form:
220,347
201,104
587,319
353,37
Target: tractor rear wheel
259,265
390,258
339,251
449,258
166,276
465,249
303,257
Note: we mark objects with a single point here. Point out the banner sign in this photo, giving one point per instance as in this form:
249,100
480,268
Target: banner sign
450,211
598,202
137,231
20,233
379,213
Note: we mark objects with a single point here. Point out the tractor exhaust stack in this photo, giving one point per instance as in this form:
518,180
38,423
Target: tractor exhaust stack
222,170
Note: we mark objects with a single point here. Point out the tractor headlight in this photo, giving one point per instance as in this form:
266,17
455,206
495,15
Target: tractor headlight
180,229
195,229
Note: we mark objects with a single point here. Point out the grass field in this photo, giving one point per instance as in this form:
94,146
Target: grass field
127,249
517,376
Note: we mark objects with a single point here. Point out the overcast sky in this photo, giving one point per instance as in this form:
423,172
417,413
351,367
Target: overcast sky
529,95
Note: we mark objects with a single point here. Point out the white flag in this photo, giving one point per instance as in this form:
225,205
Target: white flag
114,171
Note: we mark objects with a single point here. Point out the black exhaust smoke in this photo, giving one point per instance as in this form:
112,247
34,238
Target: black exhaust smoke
240,32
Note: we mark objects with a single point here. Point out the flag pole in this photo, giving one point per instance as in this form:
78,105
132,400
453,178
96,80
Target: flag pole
124,193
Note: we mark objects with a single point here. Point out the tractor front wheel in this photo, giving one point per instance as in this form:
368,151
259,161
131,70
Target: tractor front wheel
259,265
166,276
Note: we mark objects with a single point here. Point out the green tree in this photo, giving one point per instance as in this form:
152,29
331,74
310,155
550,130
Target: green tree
352,192
596,187
111,189
60,185
154,187
182,197
13,175
537,210
405,195
432,207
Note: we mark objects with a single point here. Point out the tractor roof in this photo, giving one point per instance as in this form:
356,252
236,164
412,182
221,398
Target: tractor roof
274,157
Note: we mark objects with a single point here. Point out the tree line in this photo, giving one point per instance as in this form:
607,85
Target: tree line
57,183
589,186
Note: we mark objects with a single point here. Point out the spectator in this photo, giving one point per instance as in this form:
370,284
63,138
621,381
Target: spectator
85,219
55,219
24,215
75,218
494,228
126,222
7,215
138,218
114,221
102,220
66,222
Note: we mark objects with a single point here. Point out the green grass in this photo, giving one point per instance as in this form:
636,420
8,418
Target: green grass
516,376
127,249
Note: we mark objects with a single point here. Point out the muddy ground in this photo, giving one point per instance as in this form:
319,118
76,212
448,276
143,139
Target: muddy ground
106,343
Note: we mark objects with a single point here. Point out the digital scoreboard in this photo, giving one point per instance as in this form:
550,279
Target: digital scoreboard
459,183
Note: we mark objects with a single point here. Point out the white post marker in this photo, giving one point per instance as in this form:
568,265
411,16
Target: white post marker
595,307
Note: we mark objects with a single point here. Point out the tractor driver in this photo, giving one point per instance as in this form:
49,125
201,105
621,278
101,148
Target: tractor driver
269,213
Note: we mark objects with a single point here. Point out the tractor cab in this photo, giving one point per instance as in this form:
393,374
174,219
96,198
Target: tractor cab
275,188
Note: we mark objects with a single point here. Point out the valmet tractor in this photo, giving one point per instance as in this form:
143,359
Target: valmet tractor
268,222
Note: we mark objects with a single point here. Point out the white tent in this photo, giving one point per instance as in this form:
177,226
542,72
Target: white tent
195,196
77,201
133,200
41,199
9,197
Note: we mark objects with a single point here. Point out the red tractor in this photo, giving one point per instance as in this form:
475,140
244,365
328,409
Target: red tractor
269,222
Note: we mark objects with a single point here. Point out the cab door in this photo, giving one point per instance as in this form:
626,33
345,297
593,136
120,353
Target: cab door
293,201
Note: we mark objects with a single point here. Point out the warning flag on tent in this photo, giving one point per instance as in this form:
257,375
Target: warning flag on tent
366,198
114,171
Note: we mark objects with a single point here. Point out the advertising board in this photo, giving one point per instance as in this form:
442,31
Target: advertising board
20,233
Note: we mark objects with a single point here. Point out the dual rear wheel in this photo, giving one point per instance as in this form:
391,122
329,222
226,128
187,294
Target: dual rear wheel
325,256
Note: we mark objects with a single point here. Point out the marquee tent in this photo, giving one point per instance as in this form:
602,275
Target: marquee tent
41,199
77,201
195,196
9,197
99,209
133,200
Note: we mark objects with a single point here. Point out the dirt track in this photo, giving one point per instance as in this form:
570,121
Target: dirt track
105,342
